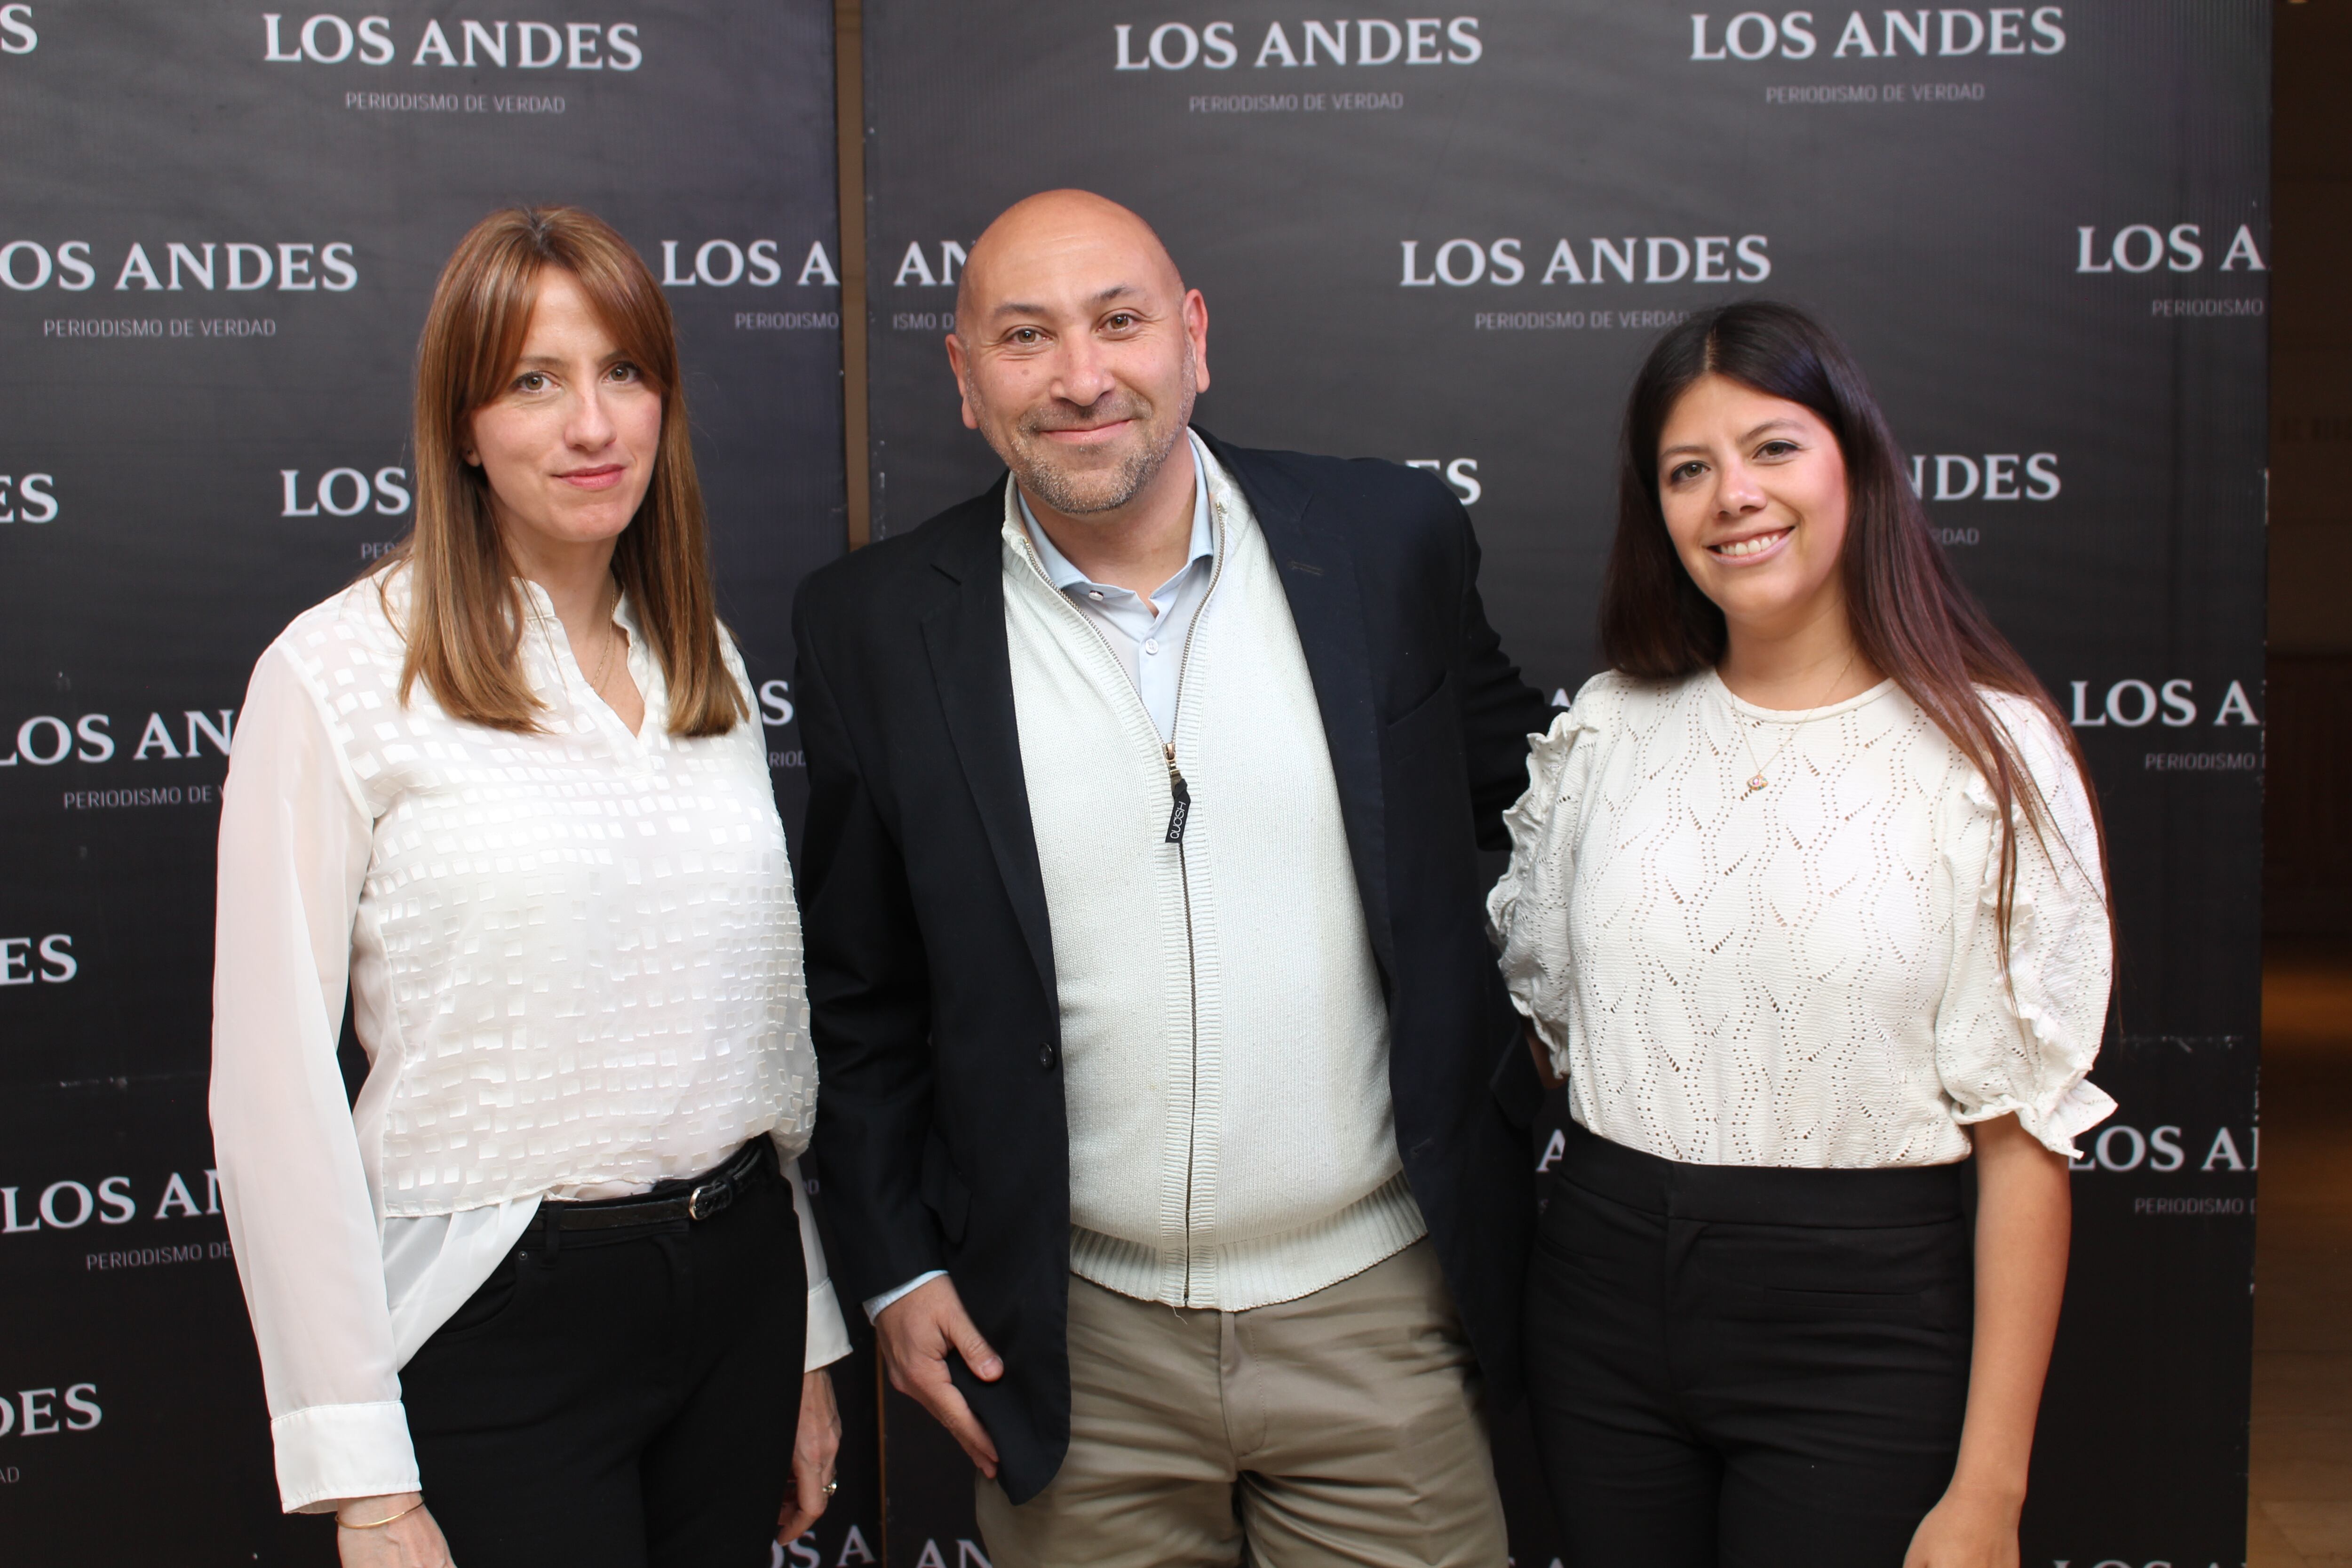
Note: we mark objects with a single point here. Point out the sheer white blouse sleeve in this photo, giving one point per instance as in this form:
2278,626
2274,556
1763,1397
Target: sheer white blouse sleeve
308,1229
294,845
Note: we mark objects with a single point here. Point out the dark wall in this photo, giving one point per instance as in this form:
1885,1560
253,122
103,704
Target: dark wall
2046,232
193,459
2309,882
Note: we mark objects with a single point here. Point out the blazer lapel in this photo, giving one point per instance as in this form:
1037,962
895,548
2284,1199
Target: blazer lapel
1318,568
964,636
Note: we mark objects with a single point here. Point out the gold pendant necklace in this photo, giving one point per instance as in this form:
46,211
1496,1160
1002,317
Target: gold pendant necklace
1756,781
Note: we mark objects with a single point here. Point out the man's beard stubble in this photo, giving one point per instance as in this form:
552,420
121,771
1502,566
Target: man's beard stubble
1079,495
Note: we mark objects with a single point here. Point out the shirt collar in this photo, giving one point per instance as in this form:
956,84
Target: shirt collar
625,613
1064,576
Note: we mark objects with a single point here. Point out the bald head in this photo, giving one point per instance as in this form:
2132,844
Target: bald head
1078,351
1049,231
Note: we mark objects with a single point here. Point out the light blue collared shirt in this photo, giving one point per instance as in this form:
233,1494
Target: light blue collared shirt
1147,635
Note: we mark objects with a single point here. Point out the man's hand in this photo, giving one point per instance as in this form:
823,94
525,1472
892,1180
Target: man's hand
814,1447
412,1540
917,1331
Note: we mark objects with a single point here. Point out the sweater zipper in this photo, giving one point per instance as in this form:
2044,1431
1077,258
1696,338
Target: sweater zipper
1179,812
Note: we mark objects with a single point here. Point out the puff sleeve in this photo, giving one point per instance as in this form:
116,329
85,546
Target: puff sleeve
2022,1042
1526,912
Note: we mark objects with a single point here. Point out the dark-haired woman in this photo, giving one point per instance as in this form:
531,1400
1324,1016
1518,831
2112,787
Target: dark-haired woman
549,1285
1807,905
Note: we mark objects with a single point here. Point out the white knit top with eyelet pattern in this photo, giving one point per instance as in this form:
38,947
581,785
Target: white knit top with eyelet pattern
1806,974
574,961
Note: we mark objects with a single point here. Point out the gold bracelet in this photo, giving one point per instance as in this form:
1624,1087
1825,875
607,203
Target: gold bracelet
342,1524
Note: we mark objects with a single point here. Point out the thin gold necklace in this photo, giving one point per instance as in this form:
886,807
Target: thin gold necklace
604,663
1757,780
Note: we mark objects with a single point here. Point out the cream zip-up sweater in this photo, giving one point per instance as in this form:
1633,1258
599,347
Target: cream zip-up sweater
1224,1041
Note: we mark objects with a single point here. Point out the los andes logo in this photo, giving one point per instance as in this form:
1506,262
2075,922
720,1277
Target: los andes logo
34,1412
2142,246
1660,259
1794,35
28,498
111,1200
722,263
915,267
1461,473
2119,1147
342,492
297,266
46,959
1409,41
328,39
2132,703
46,739
1994,476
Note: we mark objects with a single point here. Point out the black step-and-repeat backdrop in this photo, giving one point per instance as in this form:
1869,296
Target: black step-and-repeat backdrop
1448,239
219,227
1442,239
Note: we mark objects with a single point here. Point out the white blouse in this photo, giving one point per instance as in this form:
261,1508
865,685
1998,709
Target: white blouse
573,960
1809,974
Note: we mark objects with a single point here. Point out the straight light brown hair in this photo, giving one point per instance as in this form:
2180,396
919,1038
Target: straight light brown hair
1910,616
464,625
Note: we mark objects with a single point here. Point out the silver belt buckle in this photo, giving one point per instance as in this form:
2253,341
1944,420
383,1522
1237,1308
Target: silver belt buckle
710,1198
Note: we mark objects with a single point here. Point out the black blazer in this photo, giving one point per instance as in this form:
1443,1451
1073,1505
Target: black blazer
941,1137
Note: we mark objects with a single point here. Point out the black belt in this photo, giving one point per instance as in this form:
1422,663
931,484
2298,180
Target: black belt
670,1205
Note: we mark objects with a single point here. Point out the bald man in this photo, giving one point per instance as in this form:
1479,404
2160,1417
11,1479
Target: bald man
1170,1091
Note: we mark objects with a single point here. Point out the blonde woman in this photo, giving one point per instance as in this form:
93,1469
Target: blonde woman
548,1291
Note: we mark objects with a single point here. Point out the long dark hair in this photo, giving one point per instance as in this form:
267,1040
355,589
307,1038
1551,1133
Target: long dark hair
465,615
1908,614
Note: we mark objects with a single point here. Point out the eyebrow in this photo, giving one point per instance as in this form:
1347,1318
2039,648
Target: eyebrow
557,360
1103,297
1750,435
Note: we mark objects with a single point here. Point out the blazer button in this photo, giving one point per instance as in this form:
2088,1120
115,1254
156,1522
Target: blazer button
1045,1056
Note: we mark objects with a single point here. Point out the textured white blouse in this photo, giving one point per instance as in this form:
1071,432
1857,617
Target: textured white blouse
1807,974
573,959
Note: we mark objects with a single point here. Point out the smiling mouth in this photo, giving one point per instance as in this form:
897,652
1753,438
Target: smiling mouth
1082,433
1740,549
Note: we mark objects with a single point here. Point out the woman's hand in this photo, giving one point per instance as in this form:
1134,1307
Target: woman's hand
2024,1213
1966,1530
814,1447
412,1540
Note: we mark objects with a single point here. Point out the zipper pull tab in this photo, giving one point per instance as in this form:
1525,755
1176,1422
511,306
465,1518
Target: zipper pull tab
1180,797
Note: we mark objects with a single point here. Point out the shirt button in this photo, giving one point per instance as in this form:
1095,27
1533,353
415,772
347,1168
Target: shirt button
1045,1056
1095,593
1152,644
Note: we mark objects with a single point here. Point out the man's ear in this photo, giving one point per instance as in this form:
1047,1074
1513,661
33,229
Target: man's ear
963,392
1196,327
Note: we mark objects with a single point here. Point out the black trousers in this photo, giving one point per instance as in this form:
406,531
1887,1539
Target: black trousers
1747,1368
627,1403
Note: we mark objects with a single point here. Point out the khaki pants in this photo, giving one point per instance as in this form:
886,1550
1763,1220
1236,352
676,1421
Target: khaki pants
1342,1427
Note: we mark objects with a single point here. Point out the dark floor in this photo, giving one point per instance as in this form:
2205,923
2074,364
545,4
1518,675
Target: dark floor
2299,1503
